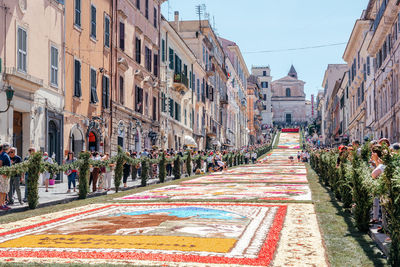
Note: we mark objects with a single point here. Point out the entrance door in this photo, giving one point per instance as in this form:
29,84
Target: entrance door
17,132
288,118
53,146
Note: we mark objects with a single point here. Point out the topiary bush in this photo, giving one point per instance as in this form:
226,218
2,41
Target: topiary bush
119,169
162,168
177,168
84,175
189,163
35,161
145,171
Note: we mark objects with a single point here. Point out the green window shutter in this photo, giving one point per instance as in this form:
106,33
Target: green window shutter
171,58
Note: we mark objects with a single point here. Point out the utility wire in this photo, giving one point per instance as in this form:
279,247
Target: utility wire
294,49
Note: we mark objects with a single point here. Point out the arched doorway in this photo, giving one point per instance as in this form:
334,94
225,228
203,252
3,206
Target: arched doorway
93,144
76,141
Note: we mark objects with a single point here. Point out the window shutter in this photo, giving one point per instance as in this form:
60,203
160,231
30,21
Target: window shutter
163,50
155,67
104,93
171,58
93,21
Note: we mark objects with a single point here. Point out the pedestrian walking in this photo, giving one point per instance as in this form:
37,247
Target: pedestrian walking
4,180
71,172
126,172
15,180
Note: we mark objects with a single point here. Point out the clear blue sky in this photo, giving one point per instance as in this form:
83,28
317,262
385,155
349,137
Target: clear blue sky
259,25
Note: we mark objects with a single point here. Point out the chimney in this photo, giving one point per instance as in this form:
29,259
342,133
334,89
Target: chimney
176,16
176,13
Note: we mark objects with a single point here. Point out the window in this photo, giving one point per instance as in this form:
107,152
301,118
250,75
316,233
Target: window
171,107
155,18
106,92
54,66
368,66
146,103
155,67
264,84
154,108
93,89
22,52
185,117
77,79
121,90
171,58
78,13
288,93
146,14
93,21
139,99
138,4
138,45
107,31
163,50
264,73
122,36
177,112
148,58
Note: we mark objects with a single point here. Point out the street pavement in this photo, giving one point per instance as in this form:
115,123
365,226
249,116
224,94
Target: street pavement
247,216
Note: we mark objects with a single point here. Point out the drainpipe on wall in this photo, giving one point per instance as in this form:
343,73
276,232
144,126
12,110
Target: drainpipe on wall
112,77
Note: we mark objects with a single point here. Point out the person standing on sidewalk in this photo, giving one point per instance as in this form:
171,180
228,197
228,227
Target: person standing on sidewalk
71,173
108,172
254,157
126,172
47,174
5,161
16,180
95,172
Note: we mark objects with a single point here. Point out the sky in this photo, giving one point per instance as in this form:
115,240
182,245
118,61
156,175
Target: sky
265,25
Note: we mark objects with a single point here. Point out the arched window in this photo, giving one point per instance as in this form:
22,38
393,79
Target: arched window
288,92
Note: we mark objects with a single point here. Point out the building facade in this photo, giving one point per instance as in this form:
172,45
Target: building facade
32,63
288,100
135,99
179,73
265,78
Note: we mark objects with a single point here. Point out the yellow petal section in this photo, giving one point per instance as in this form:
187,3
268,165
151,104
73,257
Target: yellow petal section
180,243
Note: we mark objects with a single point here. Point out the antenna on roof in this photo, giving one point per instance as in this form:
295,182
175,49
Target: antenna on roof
200,10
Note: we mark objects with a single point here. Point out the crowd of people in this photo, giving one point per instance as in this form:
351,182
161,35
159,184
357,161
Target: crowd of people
377,168
101,177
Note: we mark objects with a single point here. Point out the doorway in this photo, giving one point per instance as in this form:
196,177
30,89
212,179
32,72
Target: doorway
18,132
288,118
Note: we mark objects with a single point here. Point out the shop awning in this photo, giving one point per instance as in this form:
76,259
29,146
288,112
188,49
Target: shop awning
189,141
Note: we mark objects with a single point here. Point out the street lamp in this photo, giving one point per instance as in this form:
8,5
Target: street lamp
9,93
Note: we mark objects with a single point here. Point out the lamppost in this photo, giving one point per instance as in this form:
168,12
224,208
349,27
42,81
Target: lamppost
9,93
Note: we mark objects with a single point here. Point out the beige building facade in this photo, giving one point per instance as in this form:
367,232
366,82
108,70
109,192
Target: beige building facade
288,100
32,63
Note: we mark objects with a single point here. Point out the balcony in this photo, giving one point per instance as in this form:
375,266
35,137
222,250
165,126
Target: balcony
180,83
23,81
223,99
210,70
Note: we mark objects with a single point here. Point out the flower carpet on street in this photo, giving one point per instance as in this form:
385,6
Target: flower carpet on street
198,222
249,178
226,191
